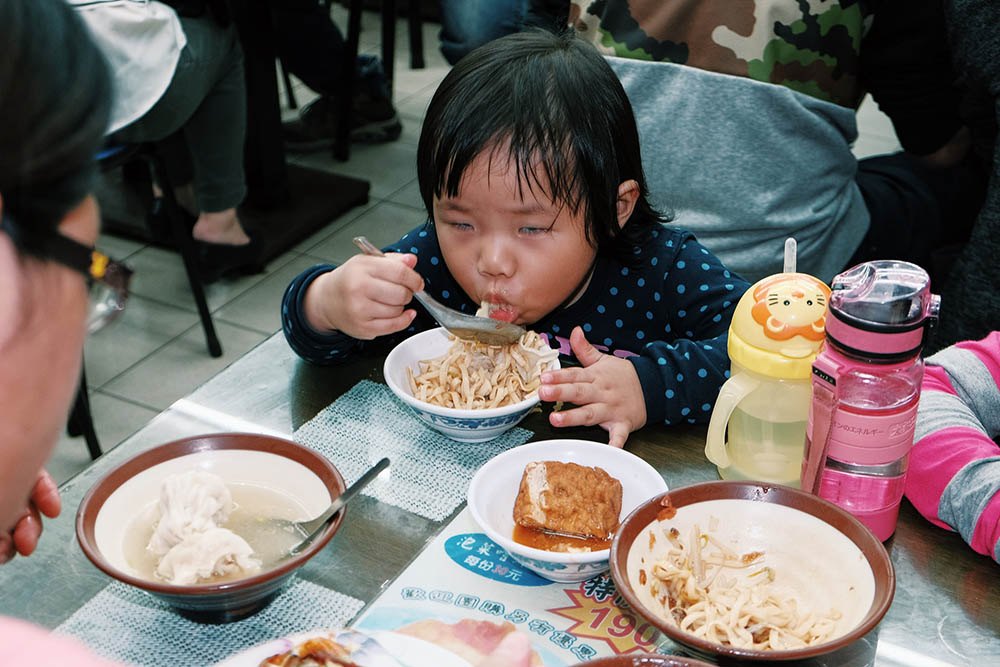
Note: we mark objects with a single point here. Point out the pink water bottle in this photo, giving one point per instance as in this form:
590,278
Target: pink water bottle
866,384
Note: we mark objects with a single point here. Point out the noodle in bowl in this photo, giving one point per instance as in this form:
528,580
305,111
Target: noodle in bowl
406,372
750,572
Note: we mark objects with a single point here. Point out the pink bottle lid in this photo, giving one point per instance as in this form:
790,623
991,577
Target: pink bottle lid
878,310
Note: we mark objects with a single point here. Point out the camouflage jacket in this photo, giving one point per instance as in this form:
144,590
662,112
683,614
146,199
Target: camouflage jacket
833,50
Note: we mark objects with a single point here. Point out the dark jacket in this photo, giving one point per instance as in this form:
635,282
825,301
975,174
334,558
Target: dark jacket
217,9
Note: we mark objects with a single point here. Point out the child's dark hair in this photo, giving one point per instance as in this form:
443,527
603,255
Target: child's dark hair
55,99
557,101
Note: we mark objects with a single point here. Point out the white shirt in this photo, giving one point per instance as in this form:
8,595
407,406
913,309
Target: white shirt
142,41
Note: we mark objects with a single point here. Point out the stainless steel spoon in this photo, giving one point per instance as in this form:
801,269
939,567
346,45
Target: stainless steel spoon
313,527
469,327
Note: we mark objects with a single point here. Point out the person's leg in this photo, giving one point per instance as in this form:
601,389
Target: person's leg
918,214
215,133
206,99
466,24
311,47
309,44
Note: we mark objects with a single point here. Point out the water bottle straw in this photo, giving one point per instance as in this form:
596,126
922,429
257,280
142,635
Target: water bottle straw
790,252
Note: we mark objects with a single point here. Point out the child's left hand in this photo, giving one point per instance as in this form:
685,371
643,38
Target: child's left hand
606,388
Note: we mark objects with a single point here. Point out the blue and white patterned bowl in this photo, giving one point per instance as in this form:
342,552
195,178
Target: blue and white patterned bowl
463,425
494,487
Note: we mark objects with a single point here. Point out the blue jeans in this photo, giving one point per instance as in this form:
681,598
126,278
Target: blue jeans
466,24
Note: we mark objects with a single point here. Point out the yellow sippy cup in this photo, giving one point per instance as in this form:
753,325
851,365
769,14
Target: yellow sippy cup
777,330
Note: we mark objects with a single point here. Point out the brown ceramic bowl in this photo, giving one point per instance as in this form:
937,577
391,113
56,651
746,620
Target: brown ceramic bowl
645,661
825,555
108,510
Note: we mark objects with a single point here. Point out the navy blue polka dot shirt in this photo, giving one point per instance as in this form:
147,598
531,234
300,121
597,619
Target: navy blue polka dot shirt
668,315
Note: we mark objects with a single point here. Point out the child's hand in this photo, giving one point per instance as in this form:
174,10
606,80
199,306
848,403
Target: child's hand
364,297
24,537
607,390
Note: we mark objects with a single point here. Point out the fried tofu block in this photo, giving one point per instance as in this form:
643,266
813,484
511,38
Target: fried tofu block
568,498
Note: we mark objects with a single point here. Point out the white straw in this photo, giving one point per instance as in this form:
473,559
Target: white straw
790,255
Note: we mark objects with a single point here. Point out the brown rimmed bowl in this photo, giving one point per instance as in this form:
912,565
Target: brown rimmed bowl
812,544
110,506
645,661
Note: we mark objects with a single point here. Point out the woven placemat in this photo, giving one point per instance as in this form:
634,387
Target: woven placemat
429,474
127,625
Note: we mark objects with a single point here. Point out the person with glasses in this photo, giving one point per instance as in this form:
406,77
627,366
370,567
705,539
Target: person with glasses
54,101
55,96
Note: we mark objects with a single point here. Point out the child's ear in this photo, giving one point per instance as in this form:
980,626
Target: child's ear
628,195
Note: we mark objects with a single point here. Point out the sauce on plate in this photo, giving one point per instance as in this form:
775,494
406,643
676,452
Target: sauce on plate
540,539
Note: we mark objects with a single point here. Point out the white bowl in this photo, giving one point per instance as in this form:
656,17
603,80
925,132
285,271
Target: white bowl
494,487
457,424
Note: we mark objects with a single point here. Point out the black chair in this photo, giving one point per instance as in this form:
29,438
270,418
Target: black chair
342,144
117,156
80,420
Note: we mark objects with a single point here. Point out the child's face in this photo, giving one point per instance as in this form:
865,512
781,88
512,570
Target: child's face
527,255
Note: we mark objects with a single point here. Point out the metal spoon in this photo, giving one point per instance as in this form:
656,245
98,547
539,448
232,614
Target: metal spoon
469,327
313,527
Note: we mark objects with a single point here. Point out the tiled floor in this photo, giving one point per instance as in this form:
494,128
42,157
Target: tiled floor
156,353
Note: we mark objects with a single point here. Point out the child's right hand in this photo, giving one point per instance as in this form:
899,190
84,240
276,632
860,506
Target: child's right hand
364,297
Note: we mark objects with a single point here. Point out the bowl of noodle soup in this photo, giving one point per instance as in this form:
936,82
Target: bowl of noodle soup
740,572
468,391
263,476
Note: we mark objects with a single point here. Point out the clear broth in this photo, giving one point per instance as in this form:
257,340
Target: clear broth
253,504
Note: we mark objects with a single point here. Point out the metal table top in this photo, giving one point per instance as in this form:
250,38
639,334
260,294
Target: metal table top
946,606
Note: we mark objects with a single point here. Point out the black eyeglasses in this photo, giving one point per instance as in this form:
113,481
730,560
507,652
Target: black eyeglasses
108,280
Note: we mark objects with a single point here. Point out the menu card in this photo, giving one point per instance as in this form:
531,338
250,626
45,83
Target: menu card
463,590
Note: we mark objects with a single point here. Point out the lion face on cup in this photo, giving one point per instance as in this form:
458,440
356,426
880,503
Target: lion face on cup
784,314
791,307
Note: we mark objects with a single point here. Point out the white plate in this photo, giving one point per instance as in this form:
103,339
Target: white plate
400,651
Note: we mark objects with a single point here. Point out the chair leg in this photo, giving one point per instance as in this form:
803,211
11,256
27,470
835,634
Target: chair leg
287,81
81,421
342,143
389,41
414,21
185,246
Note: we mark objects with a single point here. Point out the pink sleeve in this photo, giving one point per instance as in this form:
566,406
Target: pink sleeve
22,643
954,470
937,457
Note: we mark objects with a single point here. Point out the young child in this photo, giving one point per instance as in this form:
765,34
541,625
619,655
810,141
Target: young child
954,475
530,170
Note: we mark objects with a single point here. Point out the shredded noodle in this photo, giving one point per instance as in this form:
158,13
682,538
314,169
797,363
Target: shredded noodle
705,590
474,376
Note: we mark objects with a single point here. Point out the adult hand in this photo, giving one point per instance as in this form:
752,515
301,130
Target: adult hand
513,651
23,538
605,388
365,297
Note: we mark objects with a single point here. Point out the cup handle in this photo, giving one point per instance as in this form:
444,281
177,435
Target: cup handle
733,391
